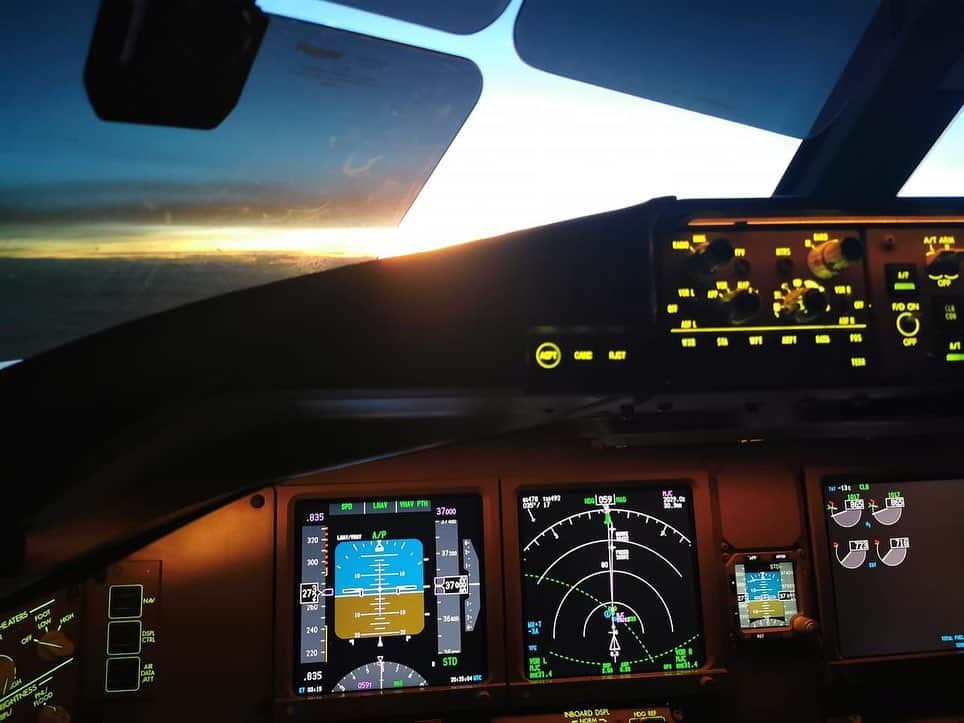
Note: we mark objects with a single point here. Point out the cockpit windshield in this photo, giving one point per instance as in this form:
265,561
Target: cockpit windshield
357,136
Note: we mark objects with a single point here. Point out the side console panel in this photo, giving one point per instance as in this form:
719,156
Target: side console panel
206,634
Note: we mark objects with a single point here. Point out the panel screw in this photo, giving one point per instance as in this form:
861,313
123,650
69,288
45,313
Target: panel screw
257,502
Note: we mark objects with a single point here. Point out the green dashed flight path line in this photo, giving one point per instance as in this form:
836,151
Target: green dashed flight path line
651,656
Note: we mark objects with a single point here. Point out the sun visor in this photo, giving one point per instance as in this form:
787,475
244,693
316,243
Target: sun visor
332,129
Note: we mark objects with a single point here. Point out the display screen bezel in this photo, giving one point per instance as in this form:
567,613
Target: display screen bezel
816,479
904,481
306,504
628,486
710,582
798,559
489,693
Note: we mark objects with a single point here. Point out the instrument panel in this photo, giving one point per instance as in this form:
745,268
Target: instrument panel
812,301
768,304
743,297
566,576
613,591
584,584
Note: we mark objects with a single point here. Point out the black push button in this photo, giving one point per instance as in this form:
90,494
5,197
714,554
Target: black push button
125,601
124,638
123,675
949,312
901,280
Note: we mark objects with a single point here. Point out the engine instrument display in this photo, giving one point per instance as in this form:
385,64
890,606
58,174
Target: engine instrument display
389,594
766,593
609,580
890,546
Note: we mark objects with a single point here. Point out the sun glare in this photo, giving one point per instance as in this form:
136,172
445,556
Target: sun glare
536,149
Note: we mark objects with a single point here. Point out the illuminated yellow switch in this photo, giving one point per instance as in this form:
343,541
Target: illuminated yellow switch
548,355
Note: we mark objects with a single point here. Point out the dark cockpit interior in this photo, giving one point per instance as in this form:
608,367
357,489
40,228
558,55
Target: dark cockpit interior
687,457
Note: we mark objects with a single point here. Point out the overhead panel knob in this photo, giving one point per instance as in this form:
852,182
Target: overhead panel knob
742,306
833,256
710,257
8,671
805,304
946,264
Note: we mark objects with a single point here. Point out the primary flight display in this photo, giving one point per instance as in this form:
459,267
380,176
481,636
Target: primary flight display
390,594
609,580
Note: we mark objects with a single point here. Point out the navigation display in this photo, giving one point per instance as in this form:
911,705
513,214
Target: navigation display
894,547
389,594
766,593
609,580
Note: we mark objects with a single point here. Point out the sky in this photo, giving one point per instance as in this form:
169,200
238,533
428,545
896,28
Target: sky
326,161
356,158
333,130
340,149
941,173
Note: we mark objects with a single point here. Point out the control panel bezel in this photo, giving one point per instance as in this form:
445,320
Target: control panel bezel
801,576
814,479
403,701
897,337
527,693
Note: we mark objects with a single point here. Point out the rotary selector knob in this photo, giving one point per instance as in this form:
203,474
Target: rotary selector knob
710,257
8,671
831,257
805,304
742,306
54,644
